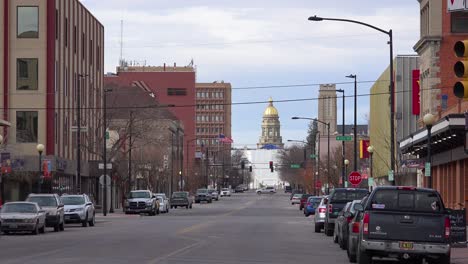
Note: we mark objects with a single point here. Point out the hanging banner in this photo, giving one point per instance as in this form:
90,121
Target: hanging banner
46,169
456,5
416,93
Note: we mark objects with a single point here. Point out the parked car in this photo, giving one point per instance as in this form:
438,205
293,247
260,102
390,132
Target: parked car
239,189
79,209
141,202
54,208
338,198
287,189
406,223
311,204
303,200
296,199
214,194
181,199
163,202
225,192
203,195
319,217
268,190
340,235
22,216
353,233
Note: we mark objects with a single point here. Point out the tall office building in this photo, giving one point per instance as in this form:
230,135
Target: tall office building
327,108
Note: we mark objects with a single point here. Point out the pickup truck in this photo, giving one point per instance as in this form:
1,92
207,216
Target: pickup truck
141,201
407,223
203,195
336,201
182,199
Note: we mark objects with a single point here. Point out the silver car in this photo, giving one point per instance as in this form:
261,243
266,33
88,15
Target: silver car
320,213
53,206
79,209
163,202
22,216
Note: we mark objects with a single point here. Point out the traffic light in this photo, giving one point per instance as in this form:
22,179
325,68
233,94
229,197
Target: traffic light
272,169
242,165
460,89
250,168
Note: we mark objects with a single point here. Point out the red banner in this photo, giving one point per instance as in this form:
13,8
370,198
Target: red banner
416,93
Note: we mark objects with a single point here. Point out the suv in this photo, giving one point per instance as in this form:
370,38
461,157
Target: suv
141,201
336,201
79,209
203,195
182,199
269,189
53,207
214,194
407,223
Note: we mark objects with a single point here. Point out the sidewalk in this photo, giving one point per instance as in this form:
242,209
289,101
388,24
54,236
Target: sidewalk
460,255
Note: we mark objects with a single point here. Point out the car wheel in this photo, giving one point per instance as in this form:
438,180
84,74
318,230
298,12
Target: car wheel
443,259
306,214
85,221
317,228
328,230
187,207
57,227
190,206
351,255
157,211
62,226
363,257
42,229
36,229
92,221
336,239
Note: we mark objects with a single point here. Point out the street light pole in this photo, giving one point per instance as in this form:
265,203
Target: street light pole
40,149
353,76
370,149
343,134
392,81
346,172
429,120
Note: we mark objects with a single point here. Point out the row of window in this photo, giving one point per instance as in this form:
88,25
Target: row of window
213,130
210,94
210,107
207,142
209,118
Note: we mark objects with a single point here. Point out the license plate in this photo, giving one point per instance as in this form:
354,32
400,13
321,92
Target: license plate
406,245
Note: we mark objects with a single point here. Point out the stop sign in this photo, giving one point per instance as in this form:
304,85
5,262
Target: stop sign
318,185
355,178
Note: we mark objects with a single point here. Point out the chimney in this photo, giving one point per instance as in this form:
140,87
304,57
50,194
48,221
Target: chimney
164,67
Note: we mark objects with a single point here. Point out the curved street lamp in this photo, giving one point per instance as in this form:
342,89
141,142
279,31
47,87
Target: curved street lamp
346,162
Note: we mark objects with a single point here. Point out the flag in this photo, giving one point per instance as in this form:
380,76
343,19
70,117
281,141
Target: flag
223,139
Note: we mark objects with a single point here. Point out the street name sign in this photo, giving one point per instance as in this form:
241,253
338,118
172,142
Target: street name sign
295,166
427,169
101,166
344,138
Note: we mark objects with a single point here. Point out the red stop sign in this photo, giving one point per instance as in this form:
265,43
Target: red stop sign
318,185
355,178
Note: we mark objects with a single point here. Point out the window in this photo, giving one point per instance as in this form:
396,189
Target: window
176,91
28,22
26,76
56,24
66,32
83,46
75,39
26,127
91,52
459,22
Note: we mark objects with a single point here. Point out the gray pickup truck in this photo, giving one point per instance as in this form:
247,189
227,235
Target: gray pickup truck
141,201
181,199
407,223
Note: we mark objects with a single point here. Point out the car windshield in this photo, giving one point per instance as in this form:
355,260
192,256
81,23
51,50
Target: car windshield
179,195
403,200
225,189
297,195
348,195
19,208
43,201
161,198
73,200
202,191
133,195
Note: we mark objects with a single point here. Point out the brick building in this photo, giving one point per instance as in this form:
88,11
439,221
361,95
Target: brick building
49,50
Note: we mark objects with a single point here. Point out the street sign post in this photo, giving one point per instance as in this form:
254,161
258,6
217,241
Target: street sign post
355,178
344,138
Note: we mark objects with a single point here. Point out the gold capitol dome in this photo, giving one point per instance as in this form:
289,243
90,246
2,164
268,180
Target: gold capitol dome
270,110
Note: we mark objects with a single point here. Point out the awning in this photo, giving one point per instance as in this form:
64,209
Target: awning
448,133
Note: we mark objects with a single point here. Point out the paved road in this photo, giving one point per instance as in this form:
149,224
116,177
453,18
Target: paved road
245,228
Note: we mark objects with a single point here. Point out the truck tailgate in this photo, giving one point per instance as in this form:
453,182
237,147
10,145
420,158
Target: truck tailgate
406,226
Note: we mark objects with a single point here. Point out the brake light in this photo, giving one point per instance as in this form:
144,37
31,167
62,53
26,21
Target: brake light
330,208
349,219
365,222
308,204
447,228
406,188
355,227
322,210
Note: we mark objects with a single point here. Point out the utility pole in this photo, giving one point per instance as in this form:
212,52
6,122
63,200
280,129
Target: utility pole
78,134
104,153
130,152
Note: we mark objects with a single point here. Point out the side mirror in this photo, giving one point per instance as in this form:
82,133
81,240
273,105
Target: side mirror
358,207
88,204
347,214
154,196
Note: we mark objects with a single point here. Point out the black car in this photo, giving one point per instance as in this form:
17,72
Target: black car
345,217
239,189
287,189
337,199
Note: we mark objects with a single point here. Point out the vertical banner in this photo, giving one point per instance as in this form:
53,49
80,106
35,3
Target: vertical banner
363,145
416,93
46,169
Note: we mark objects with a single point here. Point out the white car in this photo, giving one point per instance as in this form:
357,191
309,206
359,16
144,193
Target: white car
225,192
163,202
79,209
269,190
22,216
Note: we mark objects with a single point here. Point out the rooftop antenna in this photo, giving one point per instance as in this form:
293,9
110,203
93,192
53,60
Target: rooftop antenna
121,63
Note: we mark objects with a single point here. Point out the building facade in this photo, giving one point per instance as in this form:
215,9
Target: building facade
327,108
271,128
172,86
52,53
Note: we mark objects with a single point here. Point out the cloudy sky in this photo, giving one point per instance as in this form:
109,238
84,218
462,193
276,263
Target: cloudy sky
259,43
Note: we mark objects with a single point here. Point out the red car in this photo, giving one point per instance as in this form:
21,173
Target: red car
304,200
